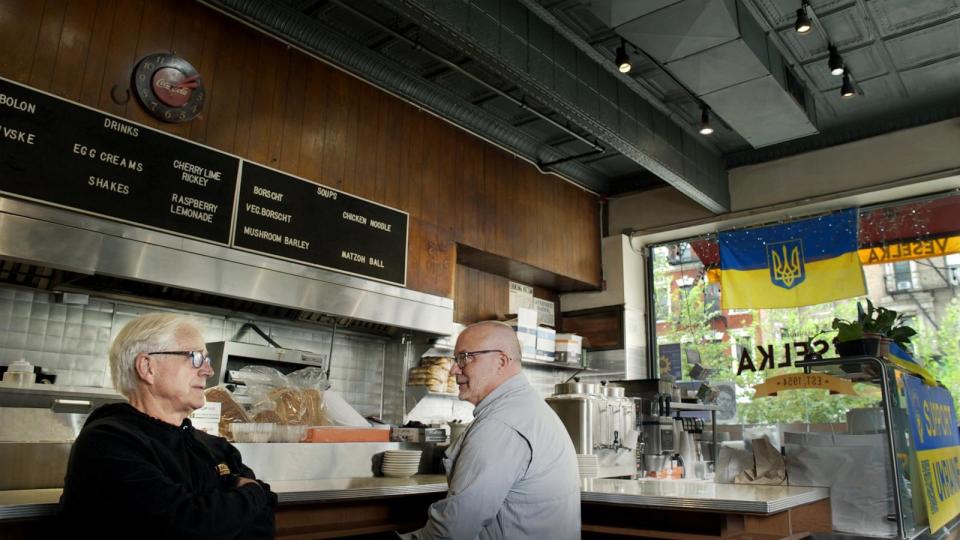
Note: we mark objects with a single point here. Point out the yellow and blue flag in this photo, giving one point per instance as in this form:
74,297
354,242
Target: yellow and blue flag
800,263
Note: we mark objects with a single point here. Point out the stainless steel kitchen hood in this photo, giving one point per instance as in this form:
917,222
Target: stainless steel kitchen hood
91,246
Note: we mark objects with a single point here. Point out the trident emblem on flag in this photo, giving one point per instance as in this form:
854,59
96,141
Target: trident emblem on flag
785,260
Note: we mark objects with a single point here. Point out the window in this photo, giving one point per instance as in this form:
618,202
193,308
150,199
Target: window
902,276
690,318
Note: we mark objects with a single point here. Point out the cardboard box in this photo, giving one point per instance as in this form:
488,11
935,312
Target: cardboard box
525,325
546,347
569,347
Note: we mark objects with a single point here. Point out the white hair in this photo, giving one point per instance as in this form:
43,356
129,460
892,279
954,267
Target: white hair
147,333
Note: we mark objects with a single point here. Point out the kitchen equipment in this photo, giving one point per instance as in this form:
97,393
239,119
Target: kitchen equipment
601,422
456,431
228,357
19,372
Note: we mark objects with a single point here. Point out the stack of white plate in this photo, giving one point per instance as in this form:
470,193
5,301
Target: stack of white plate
589,465
401,463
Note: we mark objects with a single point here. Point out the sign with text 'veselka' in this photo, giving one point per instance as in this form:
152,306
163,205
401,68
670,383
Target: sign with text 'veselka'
933,429
905,251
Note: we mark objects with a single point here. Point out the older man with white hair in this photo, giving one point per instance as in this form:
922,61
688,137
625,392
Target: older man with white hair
513,473
140,470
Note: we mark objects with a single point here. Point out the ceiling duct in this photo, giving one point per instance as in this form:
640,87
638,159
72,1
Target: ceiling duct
719,51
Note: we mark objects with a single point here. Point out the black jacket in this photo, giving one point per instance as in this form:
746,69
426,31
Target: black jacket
133,476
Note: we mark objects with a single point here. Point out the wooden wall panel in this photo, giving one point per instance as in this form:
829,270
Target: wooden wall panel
274,105
481,296
21,30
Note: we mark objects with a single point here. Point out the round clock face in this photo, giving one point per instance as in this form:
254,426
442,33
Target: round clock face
169,87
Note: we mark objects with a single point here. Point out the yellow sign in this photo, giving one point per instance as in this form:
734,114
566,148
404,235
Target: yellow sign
905,251
796,381
940,470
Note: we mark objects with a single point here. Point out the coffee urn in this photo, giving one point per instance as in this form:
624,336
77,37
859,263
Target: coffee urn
601,422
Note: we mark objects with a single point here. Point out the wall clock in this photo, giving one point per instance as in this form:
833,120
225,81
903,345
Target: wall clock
169,87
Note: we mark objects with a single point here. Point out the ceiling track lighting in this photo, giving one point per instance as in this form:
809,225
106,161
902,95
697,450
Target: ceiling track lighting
803,24
835,63
622,58
705,127
847,89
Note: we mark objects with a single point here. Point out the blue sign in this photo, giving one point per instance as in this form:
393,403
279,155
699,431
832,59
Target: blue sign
933,430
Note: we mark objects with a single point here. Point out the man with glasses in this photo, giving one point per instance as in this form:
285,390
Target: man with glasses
140,470
513,473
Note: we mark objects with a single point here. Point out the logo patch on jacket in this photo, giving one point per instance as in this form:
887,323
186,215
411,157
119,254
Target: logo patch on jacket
223,469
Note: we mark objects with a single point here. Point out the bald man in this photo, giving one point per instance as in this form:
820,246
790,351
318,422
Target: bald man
513,473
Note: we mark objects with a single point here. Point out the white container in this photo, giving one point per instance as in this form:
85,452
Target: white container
20,372
282,433
252,432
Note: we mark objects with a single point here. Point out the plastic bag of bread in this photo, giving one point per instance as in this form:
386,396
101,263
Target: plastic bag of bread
312,383
230,410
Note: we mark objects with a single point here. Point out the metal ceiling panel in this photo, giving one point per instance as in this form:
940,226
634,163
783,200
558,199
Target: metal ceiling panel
896,16
881,90
845,28
925,46
865,62
761,112
934,79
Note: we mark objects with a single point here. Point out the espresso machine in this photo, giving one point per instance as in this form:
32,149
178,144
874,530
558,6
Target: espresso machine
657,433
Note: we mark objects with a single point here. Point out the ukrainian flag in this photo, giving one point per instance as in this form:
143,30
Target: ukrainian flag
801,263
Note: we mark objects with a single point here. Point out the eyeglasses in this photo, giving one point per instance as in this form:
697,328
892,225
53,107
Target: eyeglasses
197,358
465,357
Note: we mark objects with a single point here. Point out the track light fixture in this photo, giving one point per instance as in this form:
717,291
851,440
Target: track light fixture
847,89
705,128
835,63
623,59
803,25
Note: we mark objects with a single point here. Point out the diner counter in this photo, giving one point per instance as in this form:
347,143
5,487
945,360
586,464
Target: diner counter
700,495
675,494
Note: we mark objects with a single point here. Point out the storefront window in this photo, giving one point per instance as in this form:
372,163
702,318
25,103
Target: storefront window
908,265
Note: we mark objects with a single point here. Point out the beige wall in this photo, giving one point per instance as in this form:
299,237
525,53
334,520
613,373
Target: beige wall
910,162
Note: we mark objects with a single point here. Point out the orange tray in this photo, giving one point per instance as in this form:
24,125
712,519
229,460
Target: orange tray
334,434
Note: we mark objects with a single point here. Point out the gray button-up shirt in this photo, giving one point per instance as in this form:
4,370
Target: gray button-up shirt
513,473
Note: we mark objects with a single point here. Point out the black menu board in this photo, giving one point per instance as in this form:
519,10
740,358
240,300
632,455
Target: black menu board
286,216
62,153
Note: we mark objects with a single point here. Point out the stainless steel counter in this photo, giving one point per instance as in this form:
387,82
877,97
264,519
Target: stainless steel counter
649,493
690,494
25,503
294,491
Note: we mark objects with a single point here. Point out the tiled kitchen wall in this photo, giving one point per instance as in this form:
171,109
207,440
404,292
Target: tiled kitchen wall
72,341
